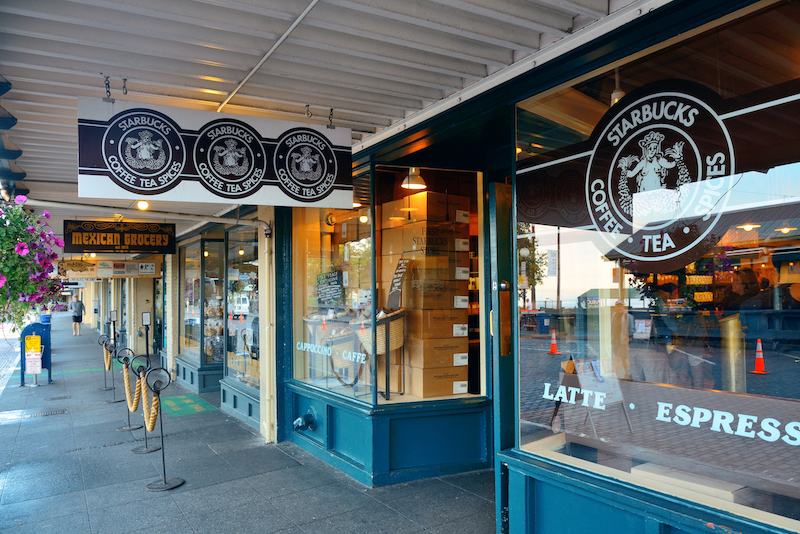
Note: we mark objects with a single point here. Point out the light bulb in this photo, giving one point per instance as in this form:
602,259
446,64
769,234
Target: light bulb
142,205
241,252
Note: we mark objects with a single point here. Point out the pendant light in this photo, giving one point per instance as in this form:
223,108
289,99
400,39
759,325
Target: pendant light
414,180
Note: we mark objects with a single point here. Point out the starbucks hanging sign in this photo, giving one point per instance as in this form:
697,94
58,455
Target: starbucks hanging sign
178,155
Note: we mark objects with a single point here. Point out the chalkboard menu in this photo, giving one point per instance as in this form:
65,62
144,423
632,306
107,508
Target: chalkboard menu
330,289
396,289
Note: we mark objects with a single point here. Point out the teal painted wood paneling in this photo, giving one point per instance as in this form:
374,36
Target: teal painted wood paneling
437,440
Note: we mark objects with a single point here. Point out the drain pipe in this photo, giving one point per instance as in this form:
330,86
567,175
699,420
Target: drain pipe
153,214
271,51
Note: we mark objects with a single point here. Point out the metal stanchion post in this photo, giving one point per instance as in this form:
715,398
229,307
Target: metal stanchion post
160,382
104,341
114,357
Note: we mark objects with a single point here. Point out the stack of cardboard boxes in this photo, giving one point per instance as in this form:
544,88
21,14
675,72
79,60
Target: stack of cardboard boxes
432,230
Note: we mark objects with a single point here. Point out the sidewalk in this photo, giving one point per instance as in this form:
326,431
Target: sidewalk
73,473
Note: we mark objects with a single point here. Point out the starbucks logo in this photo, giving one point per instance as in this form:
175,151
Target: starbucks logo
230,159
144,151
305,165
658,178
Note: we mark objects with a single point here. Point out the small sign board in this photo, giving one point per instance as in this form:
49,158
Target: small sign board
33,355
125,237
599,376
396,289
147,268
330,288
113,316
145,318
642,328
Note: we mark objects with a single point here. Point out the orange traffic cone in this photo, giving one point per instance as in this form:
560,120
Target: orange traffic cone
324,326
759,361
241,318
363,330
231,316
553,347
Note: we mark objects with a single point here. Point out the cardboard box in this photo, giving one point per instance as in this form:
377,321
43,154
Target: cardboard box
391,241
435,239
446,352
437,381
395,377
346,231
450,266
436,294
430,206
428,324
392,213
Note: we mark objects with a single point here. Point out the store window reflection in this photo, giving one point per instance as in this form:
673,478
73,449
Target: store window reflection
242,334
190,308
672,286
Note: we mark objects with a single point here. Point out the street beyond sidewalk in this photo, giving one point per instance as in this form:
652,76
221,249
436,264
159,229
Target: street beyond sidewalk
64,468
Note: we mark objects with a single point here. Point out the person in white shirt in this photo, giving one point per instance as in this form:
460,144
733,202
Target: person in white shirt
77,308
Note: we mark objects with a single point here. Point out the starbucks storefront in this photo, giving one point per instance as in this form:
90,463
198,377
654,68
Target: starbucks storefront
649,227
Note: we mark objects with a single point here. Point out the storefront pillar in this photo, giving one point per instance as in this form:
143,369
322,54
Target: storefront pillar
171,313
266,310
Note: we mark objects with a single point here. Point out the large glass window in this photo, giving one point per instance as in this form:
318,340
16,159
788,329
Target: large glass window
213,263
426,342
191,303
659,256
242,342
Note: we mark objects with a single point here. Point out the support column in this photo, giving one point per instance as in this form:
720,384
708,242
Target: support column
171,310
266,313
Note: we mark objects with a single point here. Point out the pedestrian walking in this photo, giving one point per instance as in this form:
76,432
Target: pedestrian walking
78,309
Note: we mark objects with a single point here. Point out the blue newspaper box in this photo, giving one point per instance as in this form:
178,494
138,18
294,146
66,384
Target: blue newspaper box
35,338
543,323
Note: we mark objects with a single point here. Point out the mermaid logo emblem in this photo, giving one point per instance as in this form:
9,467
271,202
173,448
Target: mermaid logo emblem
305,165
230,159
658,177
144,151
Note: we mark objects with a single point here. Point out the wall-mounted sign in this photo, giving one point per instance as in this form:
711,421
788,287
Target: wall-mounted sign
184,155
125,237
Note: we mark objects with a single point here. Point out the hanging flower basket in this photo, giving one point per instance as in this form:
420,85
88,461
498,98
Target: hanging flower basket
26,262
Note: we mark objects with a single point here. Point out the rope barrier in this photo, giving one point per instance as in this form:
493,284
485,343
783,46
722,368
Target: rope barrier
132,405
150,413
107,357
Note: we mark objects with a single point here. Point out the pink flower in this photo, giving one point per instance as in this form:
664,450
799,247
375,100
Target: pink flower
21,248
3,280
46,214
20,199
30,230
59,242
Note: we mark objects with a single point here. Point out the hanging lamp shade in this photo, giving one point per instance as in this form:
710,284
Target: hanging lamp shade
414,180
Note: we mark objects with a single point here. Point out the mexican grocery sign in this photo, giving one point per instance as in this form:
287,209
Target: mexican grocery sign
162,153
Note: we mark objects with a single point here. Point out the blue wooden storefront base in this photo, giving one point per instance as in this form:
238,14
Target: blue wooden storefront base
197,379
240,403
545,497
389,444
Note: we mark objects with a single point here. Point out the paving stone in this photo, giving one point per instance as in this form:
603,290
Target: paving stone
292,480
243,519
36,510
375,518
134,516
218,497
322,502
68,524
